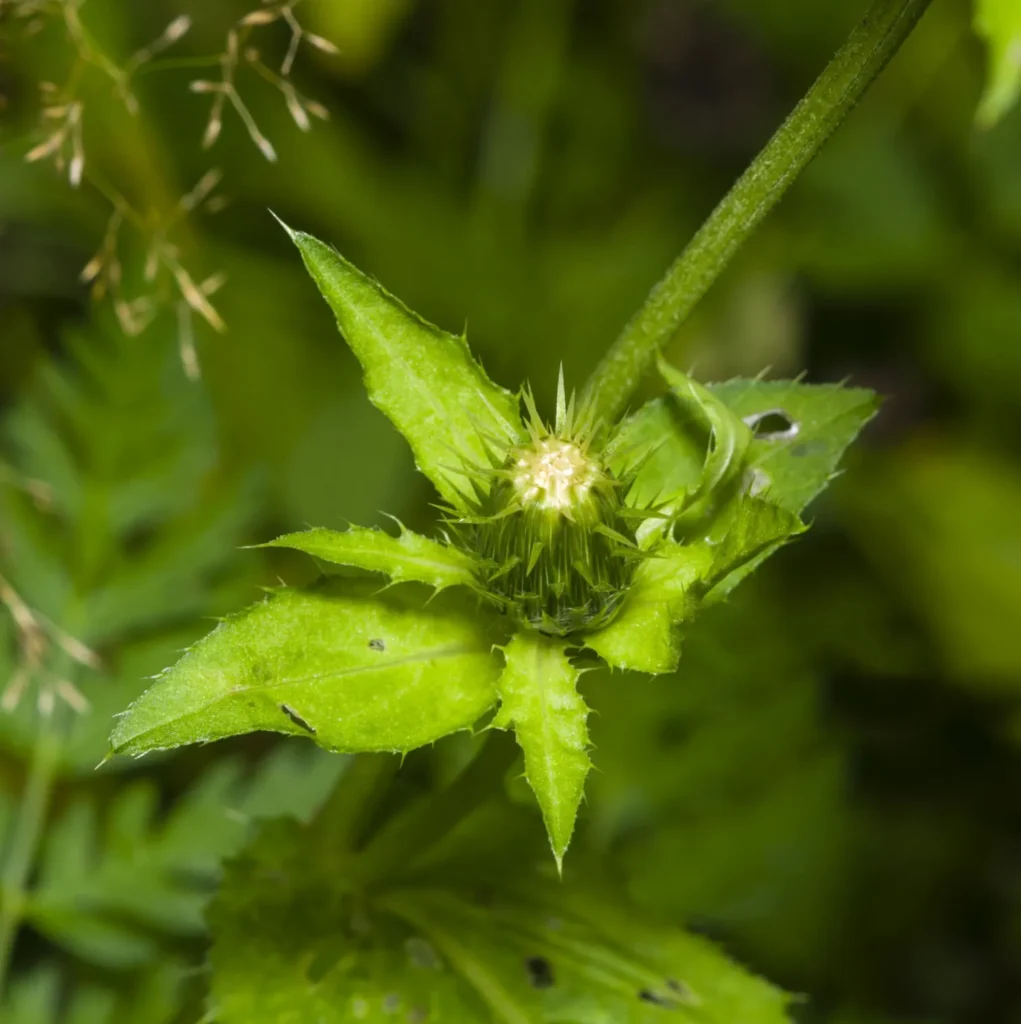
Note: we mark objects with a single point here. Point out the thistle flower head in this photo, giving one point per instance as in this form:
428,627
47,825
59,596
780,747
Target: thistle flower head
548,523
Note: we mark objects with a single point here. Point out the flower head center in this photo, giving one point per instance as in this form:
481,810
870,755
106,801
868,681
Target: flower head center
554,474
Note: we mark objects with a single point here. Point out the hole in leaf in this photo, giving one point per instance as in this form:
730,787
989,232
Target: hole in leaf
377,645
540,972
772,425
297,719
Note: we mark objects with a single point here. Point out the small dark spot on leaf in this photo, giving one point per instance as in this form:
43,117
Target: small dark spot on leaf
540,972
297,719
418,1015
772,425
377,645
655,999
682,990
391,1002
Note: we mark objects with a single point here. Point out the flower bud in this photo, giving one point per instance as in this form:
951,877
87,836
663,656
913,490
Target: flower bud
560,555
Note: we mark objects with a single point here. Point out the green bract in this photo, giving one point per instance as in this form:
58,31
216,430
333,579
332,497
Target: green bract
563,536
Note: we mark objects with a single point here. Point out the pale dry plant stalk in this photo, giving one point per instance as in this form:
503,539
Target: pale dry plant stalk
168,281
162,268
36,635
63,106
225,90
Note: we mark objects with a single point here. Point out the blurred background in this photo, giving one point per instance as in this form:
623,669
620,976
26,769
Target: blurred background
829,786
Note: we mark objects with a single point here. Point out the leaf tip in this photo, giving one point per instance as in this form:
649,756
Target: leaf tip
291,233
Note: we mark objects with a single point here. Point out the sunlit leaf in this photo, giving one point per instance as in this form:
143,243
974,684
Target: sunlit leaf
425,380
644,636
346,666
409,557
999,23
540,700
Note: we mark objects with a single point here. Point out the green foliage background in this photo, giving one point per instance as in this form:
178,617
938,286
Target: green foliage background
828,784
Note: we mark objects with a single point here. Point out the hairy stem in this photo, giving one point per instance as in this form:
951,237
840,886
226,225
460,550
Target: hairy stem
868,49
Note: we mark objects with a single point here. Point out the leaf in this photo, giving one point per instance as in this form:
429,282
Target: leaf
800,433
729,435
469,944
425,380
409,557
667,448
644,636
744,534
540,700
349,668
999,23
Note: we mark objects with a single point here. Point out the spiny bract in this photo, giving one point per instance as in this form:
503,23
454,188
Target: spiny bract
549,522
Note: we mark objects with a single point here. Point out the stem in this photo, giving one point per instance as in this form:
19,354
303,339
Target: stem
868,49
26,835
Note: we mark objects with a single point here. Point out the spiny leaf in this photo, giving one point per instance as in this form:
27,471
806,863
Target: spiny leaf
409,557
999,23
743,535
471,943
350,668
800,432
644,635
425,380
668,453
729,434
540,700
